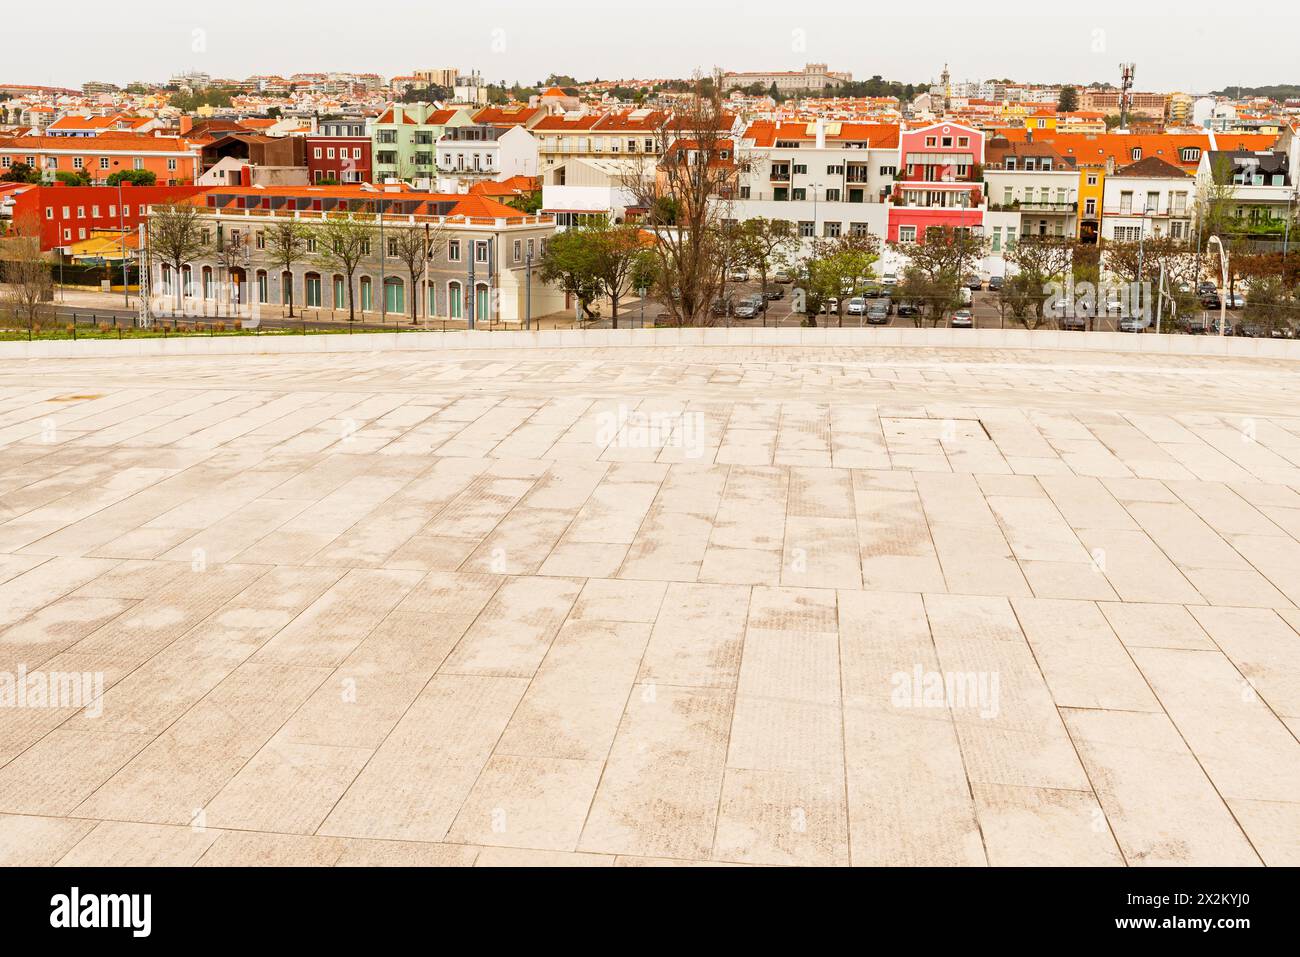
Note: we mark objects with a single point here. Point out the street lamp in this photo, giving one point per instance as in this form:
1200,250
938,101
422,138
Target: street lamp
1223,290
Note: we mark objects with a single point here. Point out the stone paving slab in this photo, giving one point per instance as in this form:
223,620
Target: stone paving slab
666,605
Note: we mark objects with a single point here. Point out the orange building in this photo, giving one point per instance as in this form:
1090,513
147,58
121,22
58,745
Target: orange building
175,161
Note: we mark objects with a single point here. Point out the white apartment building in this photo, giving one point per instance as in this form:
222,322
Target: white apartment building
1148,198
1037,182
828,178
616,134
582,188
479,152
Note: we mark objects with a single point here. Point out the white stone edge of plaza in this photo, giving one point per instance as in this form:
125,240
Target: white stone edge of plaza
1050,340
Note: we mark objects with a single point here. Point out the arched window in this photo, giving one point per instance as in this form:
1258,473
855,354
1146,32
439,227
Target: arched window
482,303
165,278
263,290
286,287
311,287
394,295
187,281
455,298
367,294
340,293
207,282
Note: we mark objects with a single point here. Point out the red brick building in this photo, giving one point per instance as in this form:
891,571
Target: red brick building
340,150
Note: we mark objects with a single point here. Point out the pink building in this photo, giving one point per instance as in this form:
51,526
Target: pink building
939,182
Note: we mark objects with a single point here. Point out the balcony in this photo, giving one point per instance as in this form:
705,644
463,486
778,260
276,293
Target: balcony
1034,206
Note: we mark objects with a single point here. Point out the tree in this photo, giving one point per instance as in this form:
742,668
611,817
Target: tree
570,261
1272,304
945,251
21,173
622,261
1041,262
26,271
415,246
1141,264
767,245
527,203
1021,295
933,292
73,177
840,269
136,177
287,242
426,94
175,236
1216,201
1068,101
685,199
343,241
936,267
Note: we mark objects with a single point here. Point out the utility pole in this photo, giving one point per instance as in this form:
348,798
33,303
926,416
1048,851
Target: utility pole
383,261
121,227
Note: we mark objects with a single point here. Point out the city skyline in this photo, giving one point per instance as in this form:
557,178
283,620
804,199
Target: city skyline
575,40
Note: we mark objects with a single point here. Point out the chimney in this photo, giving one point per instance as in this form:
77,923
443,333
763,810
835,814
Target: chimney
187,123
821,133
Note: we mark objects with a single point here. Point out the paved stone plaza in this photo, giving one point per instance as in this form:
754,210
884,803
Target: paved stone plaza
651,605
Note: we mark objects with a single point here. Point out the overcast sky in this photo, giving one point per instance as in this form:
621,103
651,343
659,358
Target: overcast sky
1192,45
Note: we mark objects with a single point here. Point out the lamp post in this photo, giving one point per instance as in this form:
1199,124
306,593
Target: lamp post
1223,290
528,290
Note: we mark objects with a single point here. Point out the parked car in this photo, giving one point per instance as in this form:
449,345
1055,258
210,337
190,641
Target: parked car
908,309
750,307
1235,300
1281,331
774,292
961,319
1210,300
1073,323
783,276
1248,330
966,296
723,306
1194,325
878,312
857,306
830,306
995,283
973,283
738,275
890,279
1134,324
1214,327
1206,288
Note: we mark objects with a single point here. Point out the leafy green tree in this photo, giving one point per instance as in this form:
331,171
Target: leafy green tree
768,245
1068,101
77,177
841,269
21,173
571,261
136,177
